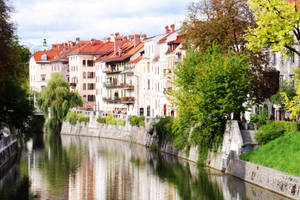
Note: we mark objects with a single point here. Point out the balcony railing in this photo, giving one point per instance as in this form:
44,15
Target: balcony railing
112,71
73,85
129,87
110,100
120,85
127,100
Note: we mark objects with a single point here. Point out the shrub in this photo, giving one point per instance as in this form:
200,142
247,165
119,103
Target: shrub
83,119
137,121
72,117
164,129
275,129
111,120
259,120
101,120
121,122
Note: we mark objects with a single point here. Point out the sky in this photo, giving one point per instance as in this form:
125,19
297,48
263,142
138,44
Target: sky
63,20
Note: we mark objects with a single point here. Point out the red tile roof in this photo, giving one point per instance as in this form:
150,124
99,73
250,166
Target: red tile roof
136,60
50,55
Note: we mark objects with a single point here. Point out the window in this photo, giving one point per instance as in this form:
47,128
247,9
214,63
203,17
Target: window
148,84
42,88
84,97
91,98
91,74
83,62
42,66
91,86
84,75
90,63
84,86
293,58
43,77
292,82
280,79
148,67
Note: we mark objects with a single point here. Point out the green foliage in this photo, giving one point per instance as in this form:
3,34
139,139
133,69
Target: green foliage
111,120
277,154
101,120
260,119
121,122
164,129
84,119
210,86
277,26
279,99
57,98
292,103
137,121
72,117
275,129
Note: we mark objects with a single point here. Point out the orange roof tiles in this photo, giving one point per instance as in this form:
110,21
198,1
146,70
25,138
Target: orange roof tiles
50,55
136,60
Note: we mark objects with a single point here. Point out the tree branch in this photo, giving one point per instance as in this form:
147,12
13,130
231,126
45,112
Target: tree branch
292,49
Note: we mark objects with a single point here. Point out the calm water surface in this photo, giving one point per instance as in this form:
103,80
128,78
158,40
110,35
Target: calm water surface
82,168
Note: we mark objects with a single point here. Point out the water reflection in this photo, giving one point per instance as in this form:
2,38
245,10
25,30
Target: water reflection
90,168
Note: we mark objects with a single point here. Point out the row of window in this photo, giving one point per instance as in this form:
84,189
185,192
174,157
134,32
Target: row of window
282,60
89,63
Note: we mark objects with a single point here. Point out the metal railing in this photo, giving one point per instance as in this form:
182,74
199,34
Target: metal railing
7,141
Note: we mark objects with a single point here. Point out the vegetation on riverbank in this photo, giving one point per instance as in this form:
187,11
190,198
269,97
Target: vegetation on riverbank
73,118
274,129
112,120
57,99
282,154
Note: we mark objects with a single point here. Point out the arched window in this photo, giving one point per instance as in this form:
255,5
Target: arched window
84,75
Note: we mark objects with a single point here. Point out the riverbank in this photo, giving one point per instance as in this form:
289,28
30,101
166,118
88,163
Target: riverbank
226,159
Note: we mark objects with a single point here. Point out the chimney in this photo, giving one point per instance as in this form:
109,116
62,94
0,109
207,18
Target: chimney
167,29
172,28
143,37
137,40
117,44
77,39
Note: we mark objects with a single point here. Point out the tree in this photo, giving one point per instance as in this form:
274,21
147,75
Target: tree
278,26
15,107
293,104
210,86
58,99
225,22
279,99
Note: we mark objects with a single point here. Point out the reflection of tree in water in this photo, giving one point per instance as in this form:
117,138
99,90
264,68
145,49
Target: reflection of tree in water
58,163
200,187
16,184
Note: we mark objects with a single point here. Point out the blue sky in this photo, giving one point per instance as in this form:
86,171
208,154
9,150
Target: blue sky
63,20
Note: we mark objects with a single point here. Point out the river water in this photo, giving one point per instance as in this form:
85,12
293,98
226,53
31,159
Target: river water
83,168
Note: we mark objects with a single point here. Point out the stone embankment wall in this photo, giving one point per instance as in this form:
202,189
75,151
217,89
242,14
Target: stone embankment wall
226,159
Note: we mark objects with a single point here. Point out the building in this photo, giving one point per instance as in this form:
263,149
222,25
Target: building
82,69
161,52
116,75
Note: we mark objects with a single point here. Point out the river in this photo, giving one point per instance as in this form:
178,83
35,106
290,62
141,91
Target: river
85,168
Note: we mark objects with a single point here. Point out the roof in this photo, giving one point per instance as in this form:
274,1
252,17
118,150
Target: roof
94,47
136,60
50,55
165,37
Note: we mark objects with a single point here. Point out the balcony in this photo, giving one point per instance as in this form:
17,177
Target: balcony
73,85
112,101
129,87
127,100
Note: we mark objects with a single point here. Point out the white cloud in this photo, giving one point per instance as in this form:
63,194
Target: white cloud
61,20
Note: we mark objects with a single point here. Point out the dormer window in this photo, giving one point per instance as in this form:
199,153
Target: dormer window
44,57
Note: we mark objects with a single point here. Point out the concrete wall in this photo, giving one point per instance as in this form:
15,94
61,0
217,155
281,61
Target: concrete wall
265,177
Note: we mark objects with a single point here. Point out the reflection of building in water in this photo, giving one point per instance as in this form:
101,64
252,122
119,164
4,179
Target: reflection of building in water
110,171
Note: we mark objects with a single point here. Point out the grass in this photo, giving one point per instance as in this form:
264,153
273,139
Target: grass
282,154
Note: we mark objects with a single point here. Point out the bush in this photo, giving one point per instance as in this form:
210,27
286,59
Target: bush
111,120
121,122
72,117
83,119
137,121
259,120
164,129
275,129
101,120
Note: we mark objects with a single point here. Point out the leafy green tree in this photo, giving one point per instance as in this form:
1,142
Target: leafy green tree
278,26
225,22
56,99
293,104
279,99
15,107
210,86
